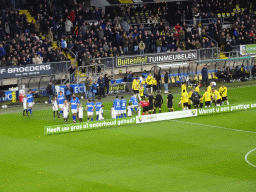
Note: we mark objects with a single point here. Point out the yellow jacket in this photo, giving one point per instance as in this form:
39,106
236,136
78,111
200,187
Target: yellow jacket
189,96
206,96
149,80
141,91
216,95
136,84
183,87
184,97
197,89
223,91
154,82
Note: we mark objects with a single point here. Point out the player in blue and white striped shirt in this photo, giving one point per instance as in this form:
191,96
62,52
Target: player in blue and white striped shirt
98,108
74,104
123,107
60,101
117,107
89,109
30,101
134,102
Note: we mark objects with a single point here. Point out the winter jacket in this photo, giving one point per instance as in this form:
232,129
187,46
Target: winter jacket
63,44
101,82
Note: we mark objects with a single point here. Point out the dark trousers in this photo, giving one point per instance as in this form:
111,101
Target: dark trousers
107,86
102,91
50,99
205,80
68,97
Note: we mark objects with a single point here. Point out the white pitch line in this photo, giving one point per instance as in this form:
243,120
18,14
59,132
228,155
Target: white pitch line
247,159
226,129
214,126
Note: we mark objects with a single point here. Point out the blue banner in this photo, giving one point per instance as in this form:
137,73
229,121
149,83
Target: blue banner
8,96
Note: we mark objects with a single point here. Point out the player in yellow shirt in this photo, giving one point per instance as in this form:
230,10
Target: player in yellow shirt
136,86
216,97
143,82
223,92
207,98
184,99
141,90
154,85
209,88
189,99
149,82
183,87
197,89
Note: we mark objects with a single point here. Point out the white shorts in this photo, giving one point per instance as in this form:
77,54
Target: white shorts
97,112
74,111
65,114
55,108
89,113
123,111
30,105
80,115
117,112
61,106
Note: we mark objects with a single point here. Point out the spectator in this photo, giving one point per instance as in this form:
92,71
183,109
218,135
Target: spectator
72,71
2,51
68,25
158,45
141,47
49,92
63,44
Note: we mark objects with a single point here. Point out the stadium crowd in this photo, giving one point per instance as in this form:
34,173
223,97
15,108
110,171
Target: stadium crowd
104,36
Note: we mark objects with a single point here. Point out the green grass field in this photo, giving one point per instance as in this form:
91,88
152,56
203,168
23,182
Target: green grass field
205,153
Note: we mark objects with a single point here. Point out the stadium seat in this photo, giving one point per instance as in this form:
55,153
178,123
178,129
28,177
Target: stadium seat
200,77
173,80
214,75
209,76
195,77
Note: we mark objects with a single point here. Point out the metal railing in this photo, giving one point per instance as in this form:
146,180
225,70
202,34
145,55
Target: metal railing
148,25
93,71
191,22
63,76
60,67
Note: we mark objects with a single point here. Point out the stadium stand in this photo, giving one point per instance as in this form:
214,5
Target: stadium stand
30,35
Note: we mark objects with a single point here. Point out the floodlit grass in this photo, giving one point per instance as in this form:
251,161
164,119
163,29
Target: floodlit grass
205,153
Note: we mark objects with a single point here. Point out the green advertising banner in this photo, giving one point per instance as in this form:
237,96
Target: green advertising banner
67,128
227,108
248,49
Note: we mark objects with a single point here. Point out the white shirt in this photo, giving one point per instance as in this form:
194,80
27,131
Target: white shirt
80,112
65,111
113,114
129,111
54,106
25,103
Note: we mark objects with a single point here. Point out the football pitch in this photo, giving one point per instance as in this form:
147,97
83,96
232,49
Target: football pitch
204,153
